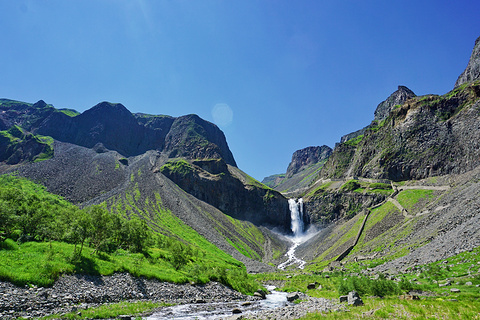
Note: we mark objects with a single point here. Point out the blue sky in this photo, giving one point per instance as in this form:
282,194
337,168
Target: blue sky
276,76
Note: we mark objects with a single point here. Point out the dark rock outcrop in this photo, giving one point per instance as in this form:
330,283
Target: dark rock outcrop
307,156
326,207
116,128
472,72
395,99
230,190
301,170
194,138
17,147
383,110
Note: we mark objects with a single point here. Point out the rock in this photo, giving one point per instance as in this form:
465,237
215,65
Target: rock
468,283
199,300
292,296
236,311
246,304
343,299
354,299
408,297
472,72
311,286
260,293
455,290
124,317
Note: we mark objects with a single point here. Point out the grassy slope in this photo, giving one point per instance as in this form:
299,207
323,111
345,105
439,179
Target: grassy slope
40,263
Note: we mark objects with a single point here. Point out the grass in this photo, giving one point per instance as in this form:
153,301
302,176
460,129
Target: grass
409,198
393,308
354,141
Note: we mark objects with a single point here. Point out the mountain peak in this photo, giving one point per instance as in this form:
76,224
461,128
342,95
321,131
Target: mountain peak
472,72
398,97
307,156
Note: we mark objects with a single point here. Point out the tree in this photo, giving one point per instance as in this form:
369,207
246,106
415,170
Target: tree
81,228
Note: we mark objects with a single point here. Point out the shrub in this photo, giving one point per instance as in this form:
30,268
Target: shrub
351,185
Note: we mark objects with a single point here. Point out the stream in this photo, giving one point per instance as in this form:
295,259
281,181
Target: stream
220,310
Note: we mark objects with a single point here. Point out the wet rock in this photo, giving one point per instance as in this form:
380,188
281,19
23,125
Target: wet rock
455,290
292,296
311,286
343,299
236,311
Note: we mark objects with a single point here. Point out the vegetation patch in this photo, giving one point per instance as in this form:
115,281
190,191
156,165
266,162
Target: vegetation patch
44,236
410,198
178,167
354,141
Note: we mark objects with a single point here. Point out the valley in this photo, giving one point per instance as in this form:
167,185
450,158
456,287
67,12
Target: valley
139,212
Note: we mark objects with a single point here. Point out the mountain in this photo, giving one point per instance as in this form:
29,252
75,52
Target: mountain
472,71
301,171
405,190
383,110
146,165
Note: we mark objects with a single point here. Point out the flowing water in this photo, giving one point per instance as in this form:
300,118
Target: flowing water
219,310
299,234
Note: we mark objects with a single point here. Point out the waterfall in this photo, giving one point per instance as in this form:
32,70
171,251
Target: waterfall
296,214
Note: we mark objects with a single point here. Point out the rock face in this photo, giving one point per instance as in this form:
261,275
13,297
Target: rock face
472,72
326,207
396,98
17,147
426,136
301,170
383,110
230,190
307,156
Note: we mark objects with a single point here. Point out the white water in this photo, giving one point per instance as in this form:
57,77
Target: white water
219,310
299,236
296,214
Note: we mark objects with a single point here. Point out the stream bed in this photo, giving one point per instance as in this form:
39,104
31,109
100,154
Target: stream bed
220,310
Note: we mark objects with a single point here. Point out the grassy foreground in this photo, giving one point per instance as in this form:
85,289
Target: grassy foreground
381,295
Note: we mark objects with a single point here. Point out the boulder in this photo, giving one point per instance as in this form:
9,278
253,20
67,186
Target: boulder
354,299
311,286
292,296
343,299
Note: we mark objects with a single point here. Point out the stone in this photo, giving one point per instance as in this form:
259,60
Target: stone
311,286
468,283
354,299
455,290
292,296
124,317
236,311
246,304
200,300
343,299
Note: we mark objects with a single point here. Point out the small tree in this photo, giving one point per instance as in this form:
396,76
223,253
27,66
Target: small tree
81,228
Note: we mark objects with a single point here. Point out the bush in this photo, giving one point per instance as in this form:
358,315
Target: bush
379,287
351,185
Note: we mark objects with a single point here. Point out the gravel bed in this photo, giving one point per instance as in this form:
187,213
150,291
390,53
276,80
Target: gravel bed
76,292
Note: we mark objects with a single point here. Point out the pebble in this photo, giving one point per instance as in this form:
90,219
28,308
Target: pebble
79,292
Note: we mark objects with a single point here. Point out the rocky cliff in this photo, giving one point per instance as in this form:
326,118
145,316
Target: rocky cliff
426,136
304,157
383,110
472,72
301,171
422,137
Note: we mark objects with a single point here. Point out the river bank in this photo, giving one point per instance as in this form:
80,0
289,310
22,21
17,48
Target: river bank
77,292
74,293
